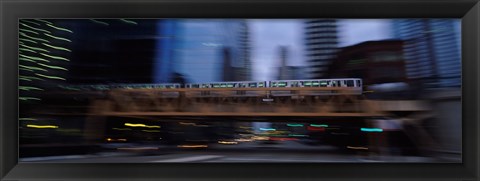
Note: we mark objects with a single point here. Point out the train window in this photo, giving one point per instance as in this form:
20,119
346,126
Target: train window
230,85
359,83
274,84
223,85
252,85
307,83
261,84
350,83
196,86
323,83
216,85
315,83
282,84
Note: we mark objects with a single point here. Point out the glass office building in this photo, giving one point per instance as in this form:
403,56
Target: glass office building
194,49
432,50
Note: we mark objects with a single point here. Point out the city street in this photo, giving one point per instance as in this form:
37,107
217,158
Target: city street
287,151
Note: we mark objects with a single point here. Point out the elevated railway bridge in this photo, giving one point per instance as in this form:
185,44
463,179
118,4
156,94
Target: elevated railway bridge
214,103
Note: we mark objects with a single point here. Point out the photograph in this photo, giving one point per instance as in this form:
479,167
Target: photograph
200,90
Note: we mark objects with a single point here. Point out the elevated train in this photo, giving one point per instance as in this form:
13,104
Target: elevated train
353,83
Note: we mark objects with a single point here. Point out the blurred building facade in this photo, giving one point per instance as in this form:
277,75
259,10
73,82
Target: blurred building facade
375,62
321,37
286,72
432,50
112,51
200,47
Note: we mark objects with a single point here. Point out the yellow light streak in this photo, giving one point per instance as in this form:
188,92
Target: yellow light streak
42,126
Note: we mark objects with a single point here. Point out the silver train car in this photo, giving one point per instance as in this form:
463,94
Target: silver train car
345,82
238,84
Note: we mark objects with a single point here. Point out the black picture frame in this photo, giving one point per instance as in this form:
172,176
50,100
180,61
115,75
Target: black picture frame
12,10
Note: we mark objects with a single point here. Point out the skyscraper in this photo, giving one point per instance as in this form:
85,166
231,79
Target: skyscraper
432,50
321,44
199,48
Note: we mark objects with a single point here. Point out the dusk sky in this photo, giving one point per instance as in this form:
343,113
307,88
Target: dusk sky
268,35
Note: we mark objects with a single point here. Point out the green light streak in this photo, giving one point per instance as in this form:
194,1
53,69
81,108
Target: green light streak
32,68
99,22
28,21
54,57
30,77
44,21
34,48
26,69
39,39
34,58
25,79
61,29
267,129
295,125
28,98
27,119
26,59
319,125
29,31
52,67
29,88
371,129
58,38
58,48
50,77
28,50
38,29
23,39
129,21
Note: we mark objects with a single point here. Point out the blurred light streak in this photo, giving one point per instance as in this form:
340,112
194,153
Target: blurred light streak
140,125
56,37
42,126
129,21
357,148
139,148
50,77
371,129
28,50
61,29
27,119
34,38
54,57
295,125
35,48
151,131
28,21
28,31
243,140
99,22
260,138
311,128
32,68
283,139
55,47
29,88
33,28
192,146
31,41
44,21
52,67
122,129
228,142
34,58
319,125
267,129
298,135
